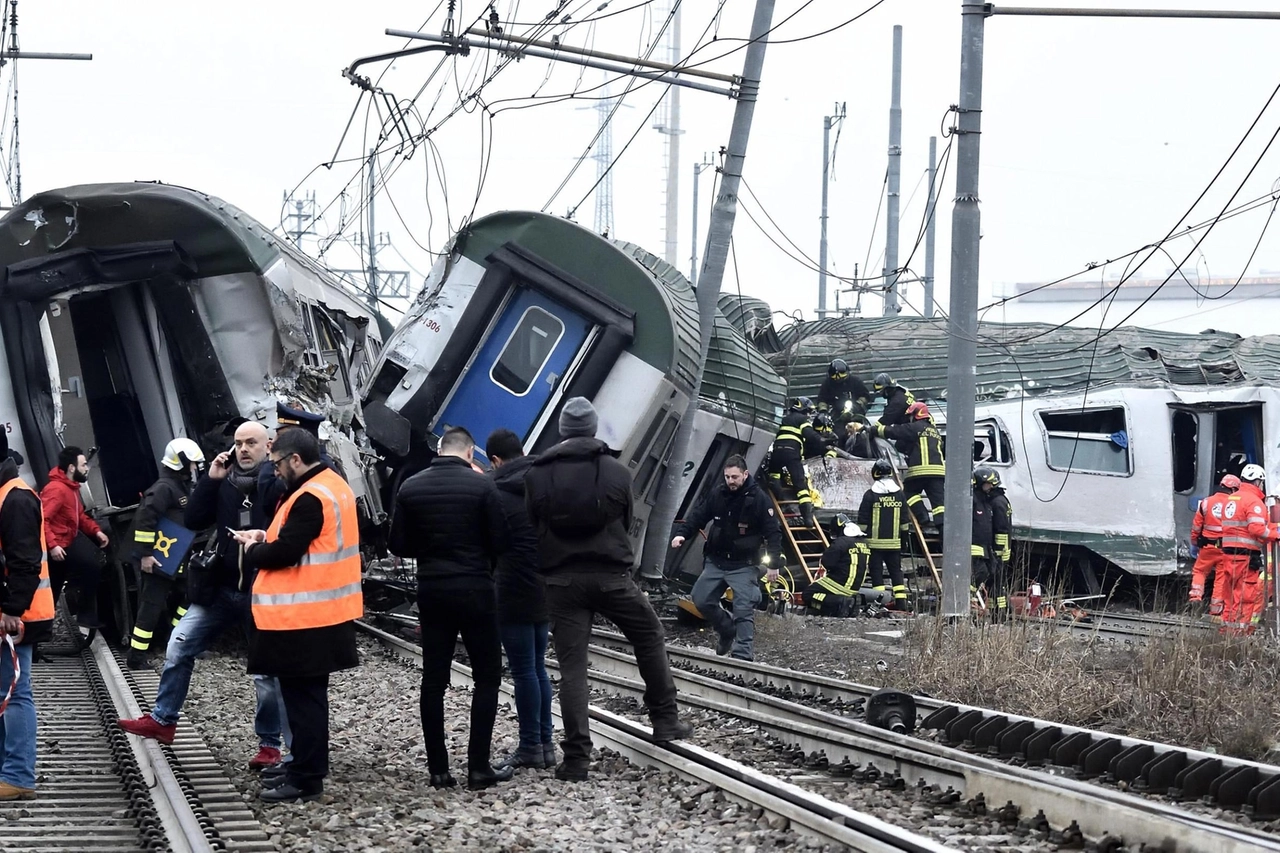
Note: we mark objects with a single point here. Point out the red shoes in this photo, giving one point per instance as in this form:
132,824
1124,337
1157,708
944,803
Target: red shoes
146,726
268,756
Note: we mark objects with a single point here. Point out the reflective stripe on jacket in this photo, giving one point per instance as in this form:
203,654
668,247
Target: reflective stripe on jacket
324,588
1244,519
41,609
1208,518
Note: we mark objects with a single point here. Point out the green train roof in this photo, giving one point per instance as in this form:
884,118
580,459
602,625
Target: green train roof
1021,359
219,237
737,379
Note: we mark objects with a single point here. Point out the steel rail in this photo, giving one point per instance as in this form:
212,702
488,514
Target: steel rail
808,812
181,824
1235,783
1095,809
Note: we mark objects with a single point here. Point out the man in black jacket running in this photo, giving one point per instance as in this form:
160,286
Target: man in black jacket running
743,530
579,500
450,519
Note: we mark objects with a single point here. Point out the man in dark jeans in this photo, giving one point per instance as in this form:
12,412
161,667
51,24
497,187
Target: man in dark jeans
522,606
579,500
449,518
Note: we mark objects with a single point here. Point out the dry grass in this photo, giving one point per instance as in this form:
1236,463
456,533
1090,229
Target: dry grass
1193,688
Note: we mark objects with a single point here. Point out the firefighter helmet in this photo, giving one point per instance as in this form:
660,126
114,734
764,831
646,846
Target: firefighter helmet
1230,481
917,411
882,470
882,381
801,404
838,368
983,475
824,423
1253,474
180,453
842,525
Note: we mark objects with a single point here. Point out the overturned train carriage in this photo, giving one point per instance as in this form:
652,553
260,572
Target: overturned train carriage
135,313
527,310
1105,445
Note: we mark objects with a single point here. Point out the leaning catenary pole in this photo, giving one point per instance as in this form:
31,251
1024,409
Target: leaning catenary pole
822,219
962,324
715,255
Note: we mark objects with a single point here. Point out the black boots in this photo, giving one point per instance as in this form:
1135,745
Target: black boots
487,777
669,730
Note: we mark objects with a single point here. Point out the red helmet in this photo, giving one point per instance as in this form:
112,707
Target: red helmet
1231,481
917,411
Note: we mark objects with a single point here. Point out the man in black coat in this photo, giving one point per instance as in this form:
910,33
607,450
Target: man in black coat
450,519
579,500
305,543
743,530
25,590
523,618
228,497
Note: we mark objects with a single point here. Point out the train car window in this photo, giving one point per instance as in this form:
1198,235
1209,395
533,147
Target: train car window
991,444
327,347
647,438
527,350
1093,441
1185,427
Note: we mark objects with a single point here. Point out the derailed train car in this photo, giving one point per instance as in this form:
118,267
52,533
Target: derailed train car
526,310
1105,445
134,313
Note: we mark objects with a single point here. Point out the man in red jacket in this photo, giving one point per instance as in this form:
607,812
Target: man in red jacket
71,536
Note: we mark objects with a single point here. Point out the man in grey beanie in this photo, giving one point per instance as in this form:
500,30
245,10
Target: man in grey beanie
579,501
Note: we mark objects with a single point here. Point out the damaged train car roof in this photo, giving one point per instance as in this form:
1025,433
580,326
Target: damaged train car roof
1015,359
211,236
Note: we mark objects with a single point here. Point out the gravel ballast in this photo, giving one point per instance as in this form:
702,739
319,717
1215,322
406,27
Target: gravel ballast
377,797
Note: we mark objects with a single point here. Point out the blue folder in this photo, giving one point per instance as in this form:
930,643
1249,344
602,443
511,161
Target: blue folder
173,541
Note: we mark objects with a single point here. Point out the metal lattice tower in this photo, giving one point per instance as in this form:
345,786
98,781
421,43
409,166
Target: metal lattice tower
667,122
604,158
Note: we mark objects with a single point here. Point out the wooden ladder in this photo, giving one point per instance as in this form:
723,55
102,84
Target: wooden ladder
807,543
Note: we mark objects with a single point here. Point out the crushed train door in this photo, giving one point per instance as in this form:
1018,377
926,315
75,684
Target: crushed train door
518,368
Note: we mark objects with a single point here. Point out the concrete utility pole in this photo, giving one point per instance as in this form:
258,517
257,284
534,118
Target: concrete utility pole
966,230
693,257
891,307
708,292
931,226
827,123
962,323
12,52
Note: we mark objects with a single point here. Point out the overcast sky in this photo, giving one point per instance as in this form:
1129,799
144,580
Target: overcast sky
1097,134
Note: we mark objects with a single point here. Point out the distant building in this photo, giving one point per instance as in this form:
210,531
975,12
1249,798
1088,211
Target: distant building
1249,307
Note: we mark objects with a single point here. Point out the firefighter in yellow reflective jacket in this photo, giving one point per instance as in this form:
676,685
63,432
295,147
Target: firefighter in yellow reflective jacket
921,443
987,480
845,561
167,498
985,572
788,455
881,516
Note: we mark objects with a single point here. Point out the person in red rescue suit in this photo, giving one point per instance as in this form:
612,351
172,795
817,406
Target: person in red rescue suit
26,615
1245,534
306,598
74,539
1206,534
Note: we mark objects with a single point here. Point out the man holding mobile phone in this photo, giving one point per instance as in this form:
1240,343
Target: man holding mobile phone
228,498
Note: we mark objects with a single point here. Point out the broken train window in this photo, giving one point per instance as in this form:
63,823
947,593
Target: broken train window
326,348
1088,441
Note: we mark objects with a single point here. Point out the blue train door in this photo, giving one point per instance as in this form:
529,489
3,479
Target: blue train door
518,367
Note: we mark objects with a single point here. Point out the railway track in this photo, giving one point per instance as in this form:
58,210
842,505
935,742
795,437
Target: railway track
102,790
817,815
1067,774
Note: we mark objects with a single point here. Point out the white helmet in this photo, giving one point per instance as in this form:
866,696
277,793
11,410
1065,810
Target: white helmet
1253,474
180,453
